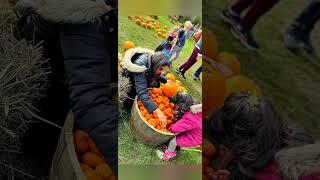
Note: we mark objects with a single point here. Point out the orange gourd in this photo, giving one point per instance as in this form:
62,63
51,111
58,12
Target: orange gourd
231,61
80,141
214,91
91,159
210,44
128,45
241,83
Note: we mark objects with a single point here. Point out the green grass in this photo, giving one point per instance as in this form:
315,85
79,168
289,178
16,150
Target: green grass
291,80
132,151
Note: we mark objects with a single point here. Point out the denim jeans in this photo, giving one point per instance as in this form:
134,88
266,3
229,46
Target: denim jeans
304,23
197,72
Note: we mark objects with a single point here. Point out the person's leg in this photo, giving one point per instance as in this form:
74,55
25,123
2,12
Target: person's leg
257,9
196,74
298,33
194,53
240,5
177,52
192,60
170,151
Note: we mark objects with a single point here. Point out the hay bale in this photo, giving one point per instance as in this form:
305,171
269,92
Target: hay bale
8,19
22,81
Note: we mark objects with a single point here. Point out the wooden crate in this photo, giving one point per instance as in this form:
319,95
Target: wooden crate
65,163
144,131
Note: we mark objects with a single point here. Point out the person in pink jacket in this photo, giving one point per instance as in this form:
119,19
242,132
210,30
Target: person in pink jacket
188,127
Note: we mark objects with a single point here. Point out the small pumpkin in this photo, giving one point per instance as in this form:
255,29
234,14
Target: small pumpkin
84,167
128,45
231,61
138,21
171,77
91,159
91,175
241,83
80,141
103,170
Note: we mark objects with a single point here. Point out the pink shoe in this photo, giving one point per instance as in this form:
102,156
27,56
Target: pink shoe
167,155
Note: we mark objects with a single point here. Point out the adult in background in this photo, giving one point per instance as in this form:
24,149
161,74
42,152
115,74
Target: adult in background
299,31
192,59
241,27
180,42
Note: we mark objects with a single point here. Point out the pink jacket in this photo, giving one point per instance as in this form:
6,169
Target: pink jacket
189,127
301,163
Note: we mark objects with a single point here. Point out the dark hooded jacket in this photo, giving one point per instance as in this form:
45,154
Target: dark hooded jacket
80,39
137,64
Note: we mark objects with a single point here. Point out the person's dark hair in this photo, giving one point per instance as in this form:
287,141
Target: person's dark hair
183,103
159,59
252,128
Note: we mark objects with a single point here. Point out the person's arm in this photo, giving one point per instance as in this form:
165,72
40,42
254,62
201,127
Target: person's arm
87,69
141,86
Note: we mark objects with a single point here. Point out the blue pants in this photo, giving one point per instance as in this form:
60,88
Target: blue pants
176,49
304,23
197,72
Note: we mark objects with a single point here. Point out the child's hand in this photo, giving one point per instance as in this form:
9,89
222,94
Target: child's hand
162,117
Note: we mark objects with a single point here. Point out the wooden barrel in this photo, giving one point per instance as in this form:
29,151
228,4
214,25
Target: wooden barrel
65,163
144,131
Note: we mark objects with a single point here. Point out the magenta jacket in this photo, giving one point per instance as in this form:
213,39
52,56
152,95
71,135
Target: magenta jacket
189,127
299,163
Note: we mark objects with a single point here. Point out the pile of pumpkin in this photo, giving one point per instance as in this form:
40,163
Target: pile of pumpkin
161,96
152,24
92,162
217,85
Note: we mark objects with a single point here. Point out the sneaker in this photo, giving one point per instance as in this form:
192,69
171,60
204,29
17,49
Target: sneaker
182,76
230,17
291,40
195,77
167,155
307,45
178,70
246,38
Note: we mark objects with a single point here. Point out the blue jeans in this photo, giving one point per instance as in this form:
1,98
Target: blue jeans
304,23
176,49
197,72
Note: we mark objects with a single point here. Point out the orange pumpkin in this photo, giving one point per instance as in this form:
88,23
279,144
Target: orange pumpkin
231,61
171,77
144,25
103,170
128,45
169,89
84,167
241,83
129,17
80,141
138,21
214,91
91,175
210,44
91,159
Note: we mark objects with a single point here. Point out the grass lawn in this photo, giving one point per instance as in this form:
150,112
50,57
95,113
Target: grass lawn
289,79
130,150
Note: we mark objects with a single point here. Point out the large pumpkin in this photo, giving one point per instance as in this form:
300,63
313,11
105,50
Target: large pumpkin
169,89
241,83
231,61
214,89
128,45
210,44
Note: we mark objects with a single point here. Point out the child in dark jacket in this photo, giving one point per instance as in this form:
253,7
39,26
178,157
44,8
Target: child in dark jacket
188,128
